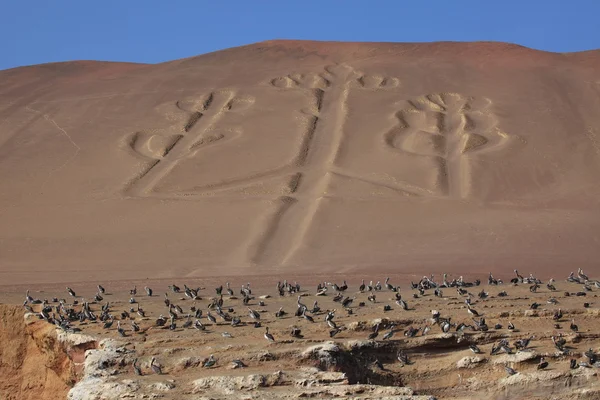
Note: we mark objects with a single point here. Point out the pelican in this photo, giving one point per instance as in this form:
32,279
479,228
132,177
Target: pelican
389,334
101,289
375,333
136,368
307,317
388,285
253,314
71,291
475,349
573,327
280,313
238,364
211,318
155,367
268,336
509,370
120,330
148,291
198,325
403,358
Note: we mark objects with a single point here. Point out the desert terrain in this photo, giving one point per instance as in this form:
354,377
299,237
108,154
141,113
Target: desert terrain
312,162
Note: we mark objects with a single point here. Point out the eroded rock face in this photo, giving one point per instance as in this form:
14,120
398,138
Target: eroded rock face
33,363
99,367
518,357
232,384
469,362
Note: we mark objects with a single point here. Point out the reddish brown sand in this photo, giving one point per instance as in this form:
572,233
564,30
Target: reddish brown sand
284,158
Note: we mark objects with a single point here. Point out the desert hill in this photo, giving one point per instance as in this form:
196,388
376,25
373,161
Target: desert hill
301,157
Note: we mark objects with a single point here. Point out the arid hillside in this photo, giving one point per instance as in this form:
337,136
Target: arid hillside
295,157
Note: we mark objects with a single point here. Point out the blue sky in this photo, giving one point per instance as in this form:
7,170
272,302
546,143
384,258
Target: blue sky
150,31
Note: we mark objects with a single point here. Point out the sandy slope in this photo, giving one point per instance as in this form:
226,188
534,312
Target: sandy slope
301,156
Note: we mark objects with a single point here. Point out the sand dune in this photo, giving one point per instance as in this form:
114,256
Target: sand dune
299,157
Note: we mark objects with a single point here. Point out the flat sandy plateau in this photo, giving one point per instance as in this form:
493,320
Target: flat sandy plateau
288,157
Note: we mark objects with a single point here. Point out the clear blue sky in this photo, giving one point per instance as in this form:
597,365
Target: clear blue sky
150,31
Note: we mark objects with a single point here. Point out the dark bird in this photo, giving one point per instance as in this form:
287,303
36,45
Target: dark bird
543,363
136,368
403,358
268,336
509,370
334,332
375,333
296,332
573,327
253,314
557,315
475,349
155,367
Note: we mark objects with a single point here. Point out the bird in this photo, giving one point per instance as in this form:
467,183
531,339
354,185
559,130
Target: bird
334,332
253,314
543,363
155,367
211,361
296,332
509,370
557,315
403,358
307,317
71,291
375,333
148,291
472,311
511,326
390,333
403,304
573,327
211,318
361,288
475,349
198,325
136,368
101,289
268,336
238,364
120,330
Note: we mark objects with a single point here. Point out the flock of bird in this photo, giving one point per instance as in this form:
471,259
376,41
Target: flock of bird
65,315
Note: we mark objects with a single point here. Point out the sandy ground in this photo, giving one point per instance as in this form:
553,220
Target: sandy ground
301,156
